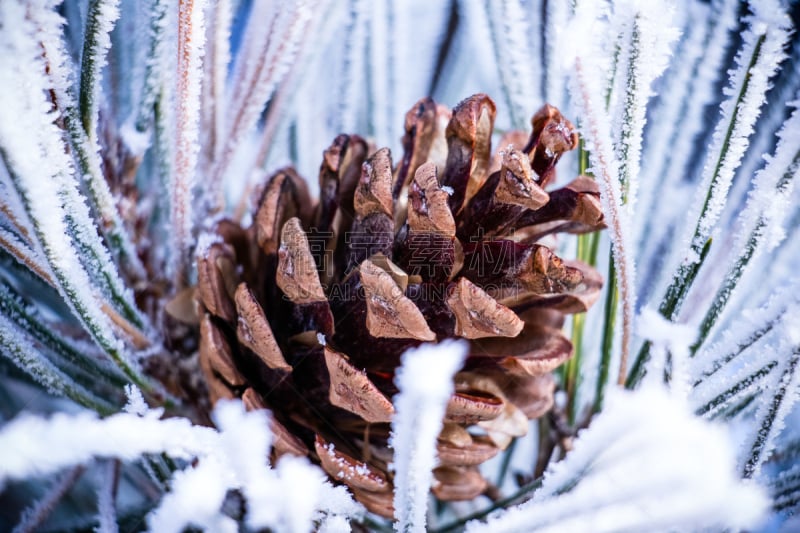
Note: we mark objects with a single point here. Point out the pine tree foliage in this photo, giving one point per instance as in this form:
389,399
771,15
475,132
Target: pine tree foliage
128,129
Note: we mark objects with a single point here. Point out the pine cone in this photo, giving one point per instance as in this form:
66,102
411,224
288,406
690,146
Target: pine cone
307,311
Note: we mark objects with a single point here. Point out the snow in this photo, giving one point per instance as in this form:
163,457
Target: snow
645,464
136,141
425,381
28,441
195,500
288,497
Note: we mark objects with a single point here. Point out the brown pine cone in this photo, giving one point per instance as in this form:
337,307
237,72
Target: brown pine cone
307,311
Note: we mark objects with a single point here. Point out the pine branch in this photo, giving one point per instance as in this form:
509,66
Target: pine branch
762,217
20,349
742,388
758,60
771,416
28,320
76,118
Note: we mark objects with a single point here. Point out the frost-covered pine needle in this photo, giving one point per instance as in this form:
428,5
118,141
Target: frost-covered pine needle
587,92
191,47
647,36
761,222
218,56
21,350
425,380
780,397
274,36
102,16
49,71
107,498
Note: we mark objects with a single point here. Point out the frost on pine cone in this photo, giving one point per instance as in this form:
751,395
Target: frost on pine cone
308,310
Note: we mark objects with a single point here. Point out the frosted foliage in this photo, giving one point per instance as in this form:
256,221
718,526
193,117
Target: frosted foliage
690,120
34,515
44,176
353,67
645,465
782,390
647,34
96,257
289,497
19,348
511,32
665,126
763,42
745,357
29,441
273,39
425,380
769,202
